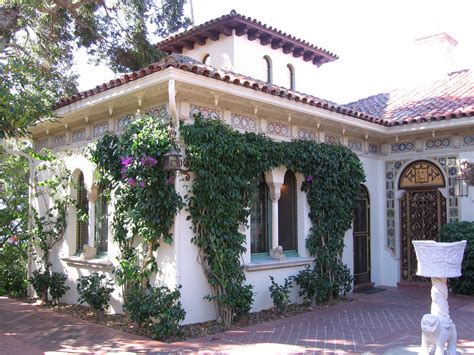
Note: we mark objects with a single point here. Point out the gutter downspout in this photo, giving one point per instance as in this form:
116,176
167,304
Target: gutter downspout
175,124
29,269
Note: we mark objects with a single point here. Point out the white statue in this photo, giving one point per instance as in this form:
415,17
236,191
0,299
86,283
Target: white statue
436,334
439,261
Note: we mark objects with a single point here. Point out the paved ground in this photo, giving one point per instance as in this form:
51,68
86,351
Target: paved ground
373,323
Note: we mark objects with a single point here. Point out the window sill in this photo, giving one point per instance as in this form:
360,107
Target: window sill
94,264
268,264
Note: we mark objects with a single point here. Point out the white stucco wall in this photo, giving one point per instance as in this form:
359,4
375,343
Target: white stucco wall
221,52
467,203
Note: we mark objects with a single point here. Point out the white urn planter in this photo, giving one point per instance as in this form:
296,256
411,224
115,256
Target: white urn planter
439,261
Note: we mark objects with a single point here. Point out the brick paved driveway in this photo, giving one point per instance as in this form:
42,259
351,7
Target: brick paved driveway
371,323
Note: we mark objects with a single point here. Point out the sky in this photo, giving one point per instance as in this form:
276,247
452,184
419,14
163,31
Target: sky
374,39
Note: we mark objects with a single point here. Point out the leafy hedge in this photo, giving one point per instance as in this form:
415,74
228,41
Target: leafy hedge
455,232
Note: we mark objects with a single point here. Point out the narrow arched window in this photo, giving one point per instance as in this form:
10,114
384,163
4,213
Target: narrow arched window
101,220
206,59
291,76
82,226
268,62
260,219
287,213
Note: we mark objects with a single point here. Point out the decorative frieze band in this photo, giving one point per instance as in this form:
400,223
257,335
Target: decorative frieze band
278,129
244,123
100,129
123,122
206,113
79,135
59,140
355,144
438,143
307,134
403,147
330,139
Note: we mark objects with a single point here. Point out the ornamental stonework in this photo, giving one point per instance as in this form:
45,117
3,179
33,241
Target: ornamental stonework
375,149
306,134
59,140
330,139
79,135
468,140
42,143
438,143
355,144
100,129
278,129
403,147
206,113
245,123
159,112
123,122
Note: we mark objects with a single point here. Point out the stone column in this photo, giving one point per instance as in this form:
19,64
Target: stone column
276,251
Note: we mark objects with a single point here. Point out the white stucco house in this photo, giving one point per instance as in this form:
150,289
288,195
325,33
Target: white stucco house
255,78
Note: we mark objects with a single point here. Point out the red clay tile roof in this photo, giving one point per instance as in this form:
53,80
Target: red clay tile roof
254,30
446,98
190,65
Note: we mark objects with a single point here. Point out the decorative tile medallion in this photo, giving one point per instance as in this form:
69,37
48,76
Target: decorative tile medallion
307,134
59,140
468,140
79,135
278,129
159,112
123,122
403,147
100,129
206,113
245,123
375,148
330,139
355,144
42,143
438,143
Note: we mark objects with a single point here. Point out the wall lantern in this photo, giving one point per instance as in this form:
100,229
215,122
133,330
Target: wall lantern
172,161
464,178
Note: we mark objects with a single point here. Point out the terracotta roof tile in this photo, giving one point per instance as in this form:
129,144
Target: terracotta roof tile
443,99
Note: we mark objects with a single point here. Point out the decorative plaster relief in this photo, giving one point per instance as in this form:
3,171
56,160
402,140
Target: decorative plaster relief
206,113
243,122
278,129
59,140
79,135
330,139
42,143
307,134
375,148
468,140
159,112
123,122
438,143
100,129
355,144
403,147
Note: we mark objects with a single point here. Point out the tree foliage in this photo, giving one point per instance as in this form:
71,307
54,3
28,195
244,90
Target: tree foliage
38,39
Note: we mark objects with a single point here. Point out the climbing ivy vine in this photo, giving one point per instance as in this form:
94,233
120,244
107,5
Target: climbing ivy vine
145,201
227,166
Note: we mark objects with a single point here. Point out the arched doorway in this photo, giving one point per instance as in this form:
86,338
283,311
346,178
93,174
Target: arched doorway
422,212
361,234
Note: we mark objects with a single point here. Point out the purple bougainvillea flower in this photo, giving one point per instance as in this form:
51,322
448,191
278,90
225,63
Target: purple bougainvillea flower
170,180
143,161
131,182
127,161
142,184
309,179
152,161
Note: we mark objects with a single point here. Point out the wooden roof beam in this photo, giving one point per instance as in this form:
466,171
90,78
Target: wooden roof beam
288,48
308,56
199,40
277,43
298,52
241,30
253,34
226,30
213,35
265,39
188,45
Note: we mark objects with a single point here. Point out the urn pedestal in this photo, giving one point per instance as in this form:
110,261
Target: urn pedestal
439,261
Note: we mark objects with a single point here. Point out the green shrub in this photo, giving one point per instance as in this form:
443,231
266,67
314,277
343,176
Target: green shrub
313,287
157,308
95,290
40,281
280,294
13,280
455,232
57,286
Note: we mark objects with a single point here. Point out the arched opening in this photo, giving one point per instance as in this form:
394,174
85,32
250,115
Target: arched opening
291,76
82,225
361,235
287,231
260,219
269,69
422,212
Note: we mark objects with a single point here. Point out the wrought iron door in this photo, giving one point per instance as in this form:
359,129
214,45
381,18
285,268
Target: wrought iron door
362,238
423,213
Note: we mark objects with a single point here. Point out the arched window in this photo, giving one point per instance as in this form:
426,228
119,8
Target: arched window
82,226
206,59
260,219
291,76
287,213
268,62
101,220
